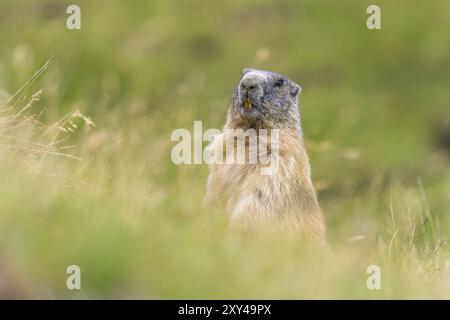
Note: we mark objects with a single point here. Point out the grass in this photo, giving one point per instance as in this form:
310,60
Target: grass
106,196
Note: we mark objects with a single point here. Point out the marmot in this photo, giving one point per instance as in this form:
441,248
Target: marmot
287,198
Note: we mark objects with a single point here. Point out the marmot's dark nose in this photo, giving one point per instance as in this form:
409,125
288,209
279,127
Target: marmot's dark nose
250,82
248,86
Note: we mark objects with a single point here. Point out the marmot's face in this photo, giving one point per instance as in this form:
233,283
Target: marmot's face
265,96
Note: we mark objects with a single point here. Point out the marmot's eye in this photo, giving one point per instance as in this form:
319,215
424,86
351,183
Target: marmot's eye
279,83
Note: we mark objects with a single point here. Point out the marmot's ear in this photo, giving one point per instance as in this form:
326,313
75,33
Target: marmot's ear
295,90
245,71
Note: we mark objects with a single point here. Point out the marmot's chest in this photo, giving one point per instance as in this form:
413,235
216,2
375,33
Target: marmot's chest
272,179
257,168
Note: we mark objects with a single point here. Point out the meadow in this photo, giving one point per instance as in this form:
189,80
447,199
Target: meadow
86,176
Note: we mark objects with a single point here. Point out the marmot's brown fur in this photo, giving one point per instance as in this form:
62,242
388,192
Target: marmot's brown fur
266,100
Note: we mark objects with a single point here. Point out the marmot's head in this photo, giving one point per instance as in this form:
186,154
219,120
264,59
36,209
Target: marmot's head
265,99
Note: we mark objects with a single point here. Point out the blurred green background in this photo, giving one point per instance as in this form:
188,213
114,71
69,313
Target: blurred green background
375,114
